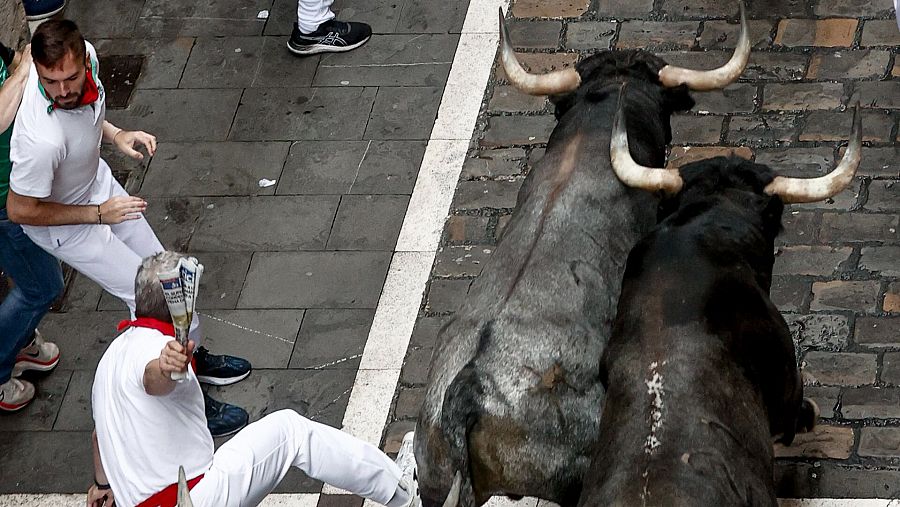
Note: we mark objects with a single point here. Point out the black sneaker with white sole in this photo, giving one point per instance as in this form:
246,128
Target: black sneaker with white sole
332,36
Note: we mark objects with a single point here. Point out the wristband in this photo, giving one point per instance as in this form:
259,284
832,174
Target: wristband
101,486
99,215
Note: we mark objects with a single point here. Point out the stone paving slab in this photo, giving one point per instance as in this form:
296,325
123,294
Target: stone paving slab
205,115
264,224
209,169
288,114
165,58
314,280
351,167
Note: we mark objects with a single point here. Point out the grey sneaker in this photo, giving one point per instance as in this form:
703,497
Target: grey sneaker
15,395
39,355
406,460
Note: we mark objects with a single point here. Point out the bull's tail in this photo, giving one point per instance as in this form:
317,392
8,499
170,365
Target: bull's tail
459,414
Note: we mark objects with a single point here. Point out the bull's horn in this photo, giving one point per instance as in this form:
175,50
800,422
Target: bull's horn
705,80
553,83
184,494
798,190
630,172
453,496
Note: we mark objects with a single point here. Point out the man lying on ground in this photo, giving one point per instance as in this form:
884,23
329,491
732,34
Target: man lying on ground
146,425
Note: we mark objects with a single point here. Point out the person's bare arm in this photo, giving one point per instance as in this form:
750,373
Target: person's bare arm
99,497
32,211
126,140
158,372
14,87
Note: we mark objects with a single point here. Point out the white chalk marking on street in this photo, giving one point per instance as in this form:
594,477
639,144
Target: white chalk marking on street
359,166
244,328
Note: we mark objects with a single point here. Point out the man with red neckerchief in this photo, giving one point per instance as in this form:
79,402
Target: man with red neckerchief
147,425
65,197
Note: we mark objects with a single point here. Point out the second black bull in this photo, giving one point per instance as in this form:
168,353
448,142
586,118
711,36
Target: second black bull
514,395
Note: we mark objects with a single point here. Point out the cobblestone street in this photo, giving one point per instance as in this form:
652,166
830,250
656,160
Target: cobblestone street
296,271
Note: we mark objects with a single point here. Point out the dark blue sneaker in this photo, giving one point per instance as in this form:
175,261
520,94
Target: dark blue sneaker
36,10
220,370
224,419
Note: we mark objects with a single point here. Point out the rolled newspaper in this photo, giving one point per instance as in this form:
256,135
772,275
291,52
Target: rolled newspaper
172,290
190,271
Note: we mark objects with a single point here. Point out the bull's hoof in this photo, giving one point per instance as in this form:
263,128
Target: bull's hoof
808,416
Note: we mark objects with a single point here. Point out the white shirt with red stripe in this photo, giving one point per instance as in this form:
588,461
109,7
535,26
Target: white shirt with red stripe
143,438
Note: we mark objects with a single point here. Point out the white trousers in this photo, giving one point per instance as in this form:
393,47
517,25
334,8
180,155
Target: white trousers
110,255
312,13
249,466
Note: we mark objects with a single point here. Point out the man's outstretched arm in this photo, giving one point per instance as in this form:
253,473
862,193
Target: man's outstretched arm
32,211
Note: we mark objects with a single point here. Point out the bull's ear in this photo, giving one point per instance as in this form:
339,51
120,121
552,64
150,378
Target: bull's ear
562,104
678,98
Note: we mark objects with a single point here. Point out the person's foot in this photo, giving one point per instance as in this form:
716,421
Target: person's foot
406,460
15,395
223,419
42,9
332,36
220,370
39,355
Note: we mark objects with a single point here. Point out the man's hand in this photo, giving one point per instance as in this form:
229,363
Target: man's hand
97,497
174,358
121,208
125,141
22,61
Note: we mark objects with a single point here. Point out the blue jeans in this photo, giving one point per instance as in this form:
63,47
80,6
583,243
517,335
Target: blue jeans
38,282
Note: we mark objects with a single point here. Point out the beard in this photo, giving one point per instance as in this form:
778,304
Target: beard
69,101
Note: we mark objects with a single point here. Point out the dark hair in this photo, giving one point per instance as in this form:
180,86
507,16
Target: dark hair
54,39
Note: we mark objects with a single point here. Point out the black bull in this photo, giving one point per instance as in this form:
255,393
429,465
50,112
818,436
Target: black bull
701,366
514,396
700,369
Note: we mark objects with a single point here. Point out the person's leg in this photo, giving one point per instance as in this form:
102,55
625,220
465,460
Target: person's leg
95,252
312,13
250,465
37,281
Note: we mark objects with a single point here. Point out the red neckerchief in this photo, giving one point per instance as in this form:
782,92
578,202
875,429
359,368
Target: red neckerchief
166,328
168,496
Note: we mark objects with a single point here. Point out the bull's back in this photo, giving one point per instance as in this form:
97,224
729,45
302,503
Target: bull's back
533,328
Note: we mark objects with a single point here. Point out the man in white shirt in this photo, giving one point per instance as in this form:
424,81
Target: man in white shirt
66,199
147,425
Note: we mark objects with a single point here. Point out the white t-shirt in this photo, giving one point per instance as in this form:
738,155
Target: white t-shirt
56,154
143,438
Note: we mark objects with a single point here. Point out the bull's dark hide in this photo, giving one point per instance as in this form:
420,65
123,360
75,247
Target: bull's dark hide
700,368
519,362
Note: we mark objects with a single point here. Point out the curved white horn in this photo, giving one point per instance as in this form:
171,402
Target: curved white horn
798,190
705,80
553,83
453,496
630,172
184,495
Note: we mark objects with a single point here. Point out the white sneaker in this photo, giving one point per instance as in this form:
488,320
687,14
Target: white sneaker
39,355
15,395
406,460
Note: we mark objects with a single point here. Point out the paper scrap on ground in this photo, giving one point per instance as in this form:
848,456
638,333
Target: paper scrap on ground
264,183
263,14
